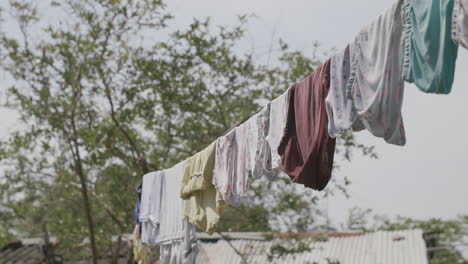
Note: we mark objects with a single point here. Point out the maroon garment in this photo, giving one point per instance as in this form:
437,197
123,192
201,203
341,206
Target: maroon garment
306,149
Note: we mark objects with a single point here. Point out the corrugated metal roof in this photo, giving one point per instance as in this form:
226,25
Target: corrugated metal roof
30,251
398,247
264,235
16,252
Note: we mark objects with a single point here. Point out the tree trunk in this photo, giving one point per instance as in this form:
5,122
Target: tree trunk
84,193
87,206
116,252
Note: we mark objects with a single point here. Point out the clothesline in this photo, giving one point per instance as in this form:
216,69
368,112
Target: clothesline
360,87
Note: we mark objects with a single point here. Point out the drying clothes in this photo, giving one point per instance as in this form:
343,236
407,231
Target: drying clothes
430,54
246,139
278,111
176,235
150,206
373,95
306,149
341,113
233,162
253,156
180,251
262,156
172,225
460,23
225,170
141,252
242,156
203,203
252,142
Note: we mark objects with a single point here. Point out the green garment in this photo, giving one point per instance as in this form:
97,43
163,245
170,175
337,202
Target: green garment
430,53
203,203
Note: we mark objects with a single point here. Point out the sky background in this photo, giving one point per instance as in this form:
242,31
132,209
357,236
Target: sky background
426,178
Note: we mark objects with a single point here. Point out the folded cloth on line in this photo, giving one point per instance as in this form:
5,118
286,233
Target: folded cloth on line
242,156
366,87
225,169
150,206
278,115
430,53
306,149
203,203
262,157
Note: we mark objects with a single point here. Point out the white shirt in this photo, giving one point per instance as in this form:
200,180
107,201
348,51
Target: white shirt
150,206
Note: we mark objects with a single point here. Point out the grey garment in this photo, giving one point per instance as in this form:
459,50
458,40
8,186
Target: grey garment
224,172
373,94
262,165
278,114
460,23
150,206
340,109
180,251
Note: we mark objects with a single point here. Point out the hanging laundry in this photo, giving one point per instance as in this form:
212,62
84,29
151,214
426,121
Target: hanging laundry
262,164
430,54
367,93
176,236
242,156
306,149
203,203
242,182
460,23
136,210
278,115
225,170
150,206
340,110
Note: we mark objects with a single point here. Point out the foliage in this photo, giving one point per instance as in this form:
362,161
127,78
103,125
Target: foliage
290,246
245,218
445,239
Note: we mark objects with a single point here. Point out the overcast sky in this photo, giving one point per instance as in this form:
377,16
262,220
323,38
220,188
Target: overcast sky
426,178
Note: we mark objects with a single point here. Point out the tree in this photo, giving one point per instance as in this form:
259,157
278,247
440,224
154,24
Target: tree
445,239
99,98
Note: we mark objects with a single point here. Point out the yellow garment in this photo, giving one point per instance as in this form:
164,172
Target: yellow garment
141,252
203,203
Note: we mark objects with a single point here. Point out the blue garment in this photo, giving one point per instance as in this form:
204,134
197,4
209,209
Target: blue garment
430,53
136,211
